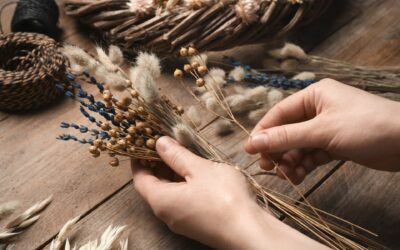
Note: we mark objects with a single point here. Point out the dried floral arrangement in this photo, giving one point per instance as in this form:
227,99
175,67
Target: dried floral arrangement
129,114
165,26
293,62
21,222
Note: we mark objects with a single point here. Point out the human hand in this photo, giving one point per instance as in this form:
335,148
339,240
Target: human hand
324,122
212,203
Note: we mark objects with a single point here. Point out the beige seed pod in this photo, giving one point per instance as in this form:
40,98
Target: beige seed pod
192,51
202,70
178,73
195,65
139,142
132,130
134,93
114,162
200,82
187,68
183,52
93,150
151,143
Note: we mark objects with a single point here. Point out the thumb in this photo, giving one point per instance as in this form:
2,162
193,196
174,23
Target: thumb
283,138
178,158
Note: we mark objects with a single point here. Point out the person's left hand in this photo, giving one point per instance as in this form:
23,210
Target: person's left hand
211,203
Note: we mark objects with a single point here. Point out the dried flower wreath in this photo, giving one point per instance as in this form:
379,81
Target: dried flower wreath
128,123
165,26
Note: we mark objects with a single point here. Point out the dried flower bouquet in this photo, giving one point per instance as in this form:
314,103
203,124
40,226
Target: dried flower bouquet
129,122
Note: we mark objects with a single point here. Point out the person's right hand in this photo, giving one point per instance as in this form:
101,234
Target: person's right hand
328,121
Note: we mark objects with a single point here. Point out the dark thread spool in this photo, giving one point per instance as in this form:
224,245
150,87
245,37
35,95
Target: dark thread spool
39,16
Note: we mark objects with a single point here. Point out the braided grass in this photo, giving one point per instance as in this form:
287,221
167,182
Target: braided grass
30,66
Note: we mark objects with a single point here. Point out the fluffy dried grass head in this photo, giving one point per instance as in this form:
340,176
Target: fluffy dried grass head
149,62
237,74
289,50
183,134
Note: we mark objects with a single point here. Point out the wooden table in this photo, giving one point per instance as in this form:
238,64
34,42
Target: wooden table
33,165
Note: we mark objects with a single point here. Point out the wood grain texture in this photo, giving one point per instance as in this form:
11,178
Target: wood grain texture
33,164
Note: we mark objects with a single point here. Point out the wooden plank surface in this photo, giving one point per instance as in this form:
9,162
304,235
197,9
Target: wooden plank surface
34,165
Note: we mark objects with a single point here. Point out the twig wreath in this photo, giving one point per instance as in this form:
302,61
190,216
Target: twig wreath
164,26
130,113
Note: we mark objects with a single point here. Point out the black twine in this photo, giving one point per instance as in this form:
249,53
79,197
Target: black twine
39,16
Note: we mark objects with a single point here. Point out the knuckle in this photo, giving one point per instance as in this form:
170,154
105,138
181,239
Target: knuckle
175,157
281,136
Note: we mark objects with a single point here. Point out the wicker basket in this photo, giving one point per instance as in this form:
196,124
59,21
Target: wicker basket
165,26
31,65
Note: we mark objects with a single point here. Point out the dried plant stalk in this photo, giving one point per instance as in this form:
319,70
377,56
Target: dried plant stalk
23,221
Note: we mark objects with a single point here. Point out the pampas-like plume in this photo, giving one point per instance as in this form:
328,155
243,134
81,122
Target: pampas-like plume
247,10
223,127
256,115
149,62
258,94
199,59
116,55
8,208
206,95
114,80
183,134
289,50
237,74
274,96
80,60
143,81
213,105
240,104
62,236
289,65
305,76
193,116
215,78
106,60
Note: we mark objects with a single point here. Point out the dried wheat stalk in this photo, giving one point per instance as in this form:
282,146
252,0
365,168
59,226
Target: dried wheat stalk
23,221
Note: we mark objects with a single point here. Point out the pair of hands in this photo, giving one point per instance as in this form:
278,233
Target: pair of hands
211,202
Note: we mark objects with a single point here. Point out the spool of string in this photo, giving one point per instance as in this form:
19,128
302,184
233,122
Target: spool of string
31,65
39,16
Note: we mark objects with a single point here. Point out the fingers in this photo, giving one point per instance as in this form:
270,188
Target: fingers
314,159
146,183
296,164
284,138
178,158
295,108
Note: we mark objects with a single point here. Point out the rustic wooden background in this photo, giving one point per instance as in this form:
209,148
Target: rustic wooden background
33,165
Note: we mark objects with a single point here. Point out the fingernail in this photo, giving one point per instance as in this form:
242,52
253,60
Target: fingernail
258,140
164,143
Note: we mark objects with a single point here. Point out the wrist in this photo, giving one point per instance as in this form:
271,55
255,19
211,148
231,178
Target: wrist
257,228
